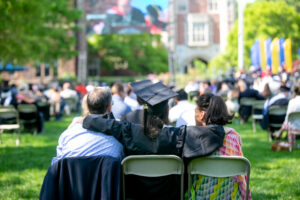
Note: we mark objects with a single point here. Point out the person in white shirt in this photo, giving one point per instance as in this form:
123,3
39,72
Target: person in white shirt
130,98
182,105
77,141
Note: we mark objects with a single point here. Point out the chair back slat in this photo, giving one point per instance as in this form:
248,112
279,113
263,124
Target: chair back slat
220,166
277,110
245,101
27,108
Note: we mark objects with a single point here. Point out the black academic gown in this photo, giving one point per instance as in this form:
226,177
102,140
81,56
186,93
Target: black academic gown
135,116
186,142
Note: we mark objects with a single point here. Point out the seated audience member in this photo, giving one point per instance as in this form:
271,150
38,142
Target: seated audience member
231,104
26,96
68,93
182,105
241,92
130,98
119,108
154,137
77,141
267,91
281,99
212,110
293,106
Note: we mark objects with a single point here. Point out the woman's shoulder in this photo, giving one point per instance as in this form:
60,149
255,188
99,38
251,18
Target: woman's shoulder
232,134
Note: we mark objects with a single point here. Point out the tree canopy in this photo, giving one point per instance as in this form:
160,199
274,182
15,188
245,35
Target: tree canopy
294,3
261,21
142,53
36,30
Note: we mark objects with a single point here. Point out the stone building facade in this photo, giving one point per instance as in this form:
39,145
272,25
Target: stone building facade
202,27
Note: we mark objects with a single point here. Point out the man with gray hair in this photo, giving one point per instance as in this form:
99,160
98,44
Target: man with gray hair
76,141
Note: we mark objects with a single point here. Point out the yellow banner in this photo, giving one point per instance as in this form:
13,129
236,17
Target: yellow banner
275,55
288,54
263,55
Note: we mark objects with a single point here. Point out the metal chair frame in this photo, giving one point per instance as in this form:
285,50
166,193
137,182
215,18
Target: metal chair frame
257,104
10,112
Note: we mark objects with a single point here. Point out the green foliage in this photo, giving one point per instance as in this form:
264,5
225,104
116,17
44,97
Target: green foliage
261,20
274,175
36,30
143,53
294,3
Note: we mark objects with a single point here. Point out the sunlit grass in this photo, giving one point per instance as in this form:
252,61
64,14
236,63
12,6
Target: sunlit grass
274,175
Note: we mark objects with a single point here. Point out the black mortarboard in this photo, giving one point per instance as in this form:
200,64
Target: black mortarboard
140,84
155,94
284,89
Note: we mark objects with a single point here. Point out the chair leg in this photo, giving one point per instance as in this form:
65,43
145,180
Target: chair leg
18,138
253,125
123,186
270,135
1,136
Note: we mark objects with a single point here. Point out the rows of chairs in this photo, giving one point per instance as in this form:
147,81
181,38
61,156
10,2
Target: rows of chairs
140,165
276,111
10,118
162,165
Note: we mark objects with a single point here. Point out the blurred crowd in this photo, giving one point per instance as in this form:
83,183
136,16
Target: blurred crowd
57,99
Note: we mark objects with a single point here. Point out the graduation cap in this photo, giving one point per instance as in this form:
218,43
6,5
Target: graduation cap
156,96
284,89
140,84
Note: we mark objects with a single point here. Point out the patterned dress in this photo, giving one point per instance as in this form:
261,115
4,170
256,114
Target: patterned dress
204,187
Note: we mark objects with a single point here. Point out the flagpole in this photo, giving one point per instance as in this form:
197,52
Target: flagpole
241,7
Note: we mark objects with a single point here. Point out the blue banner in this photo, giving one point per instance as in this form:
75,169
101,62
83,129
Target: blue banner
268,53
281,52
255,54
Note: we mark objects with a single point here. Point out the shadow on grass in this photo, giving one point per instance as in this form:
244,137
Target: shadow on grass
18,159
11,181
264,196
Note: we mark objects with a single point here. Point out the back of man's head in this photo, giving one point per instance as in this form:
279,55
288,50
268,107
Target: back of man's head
182,95
98,100
117,88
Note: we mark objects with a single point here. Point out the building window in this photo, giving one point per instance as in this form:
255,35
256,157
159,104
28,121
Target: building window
198,30
182,6
47,69
213,5
37,69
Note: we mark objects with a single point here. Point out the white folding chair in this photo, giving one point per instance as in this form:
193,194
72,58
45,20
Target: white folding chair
153,166
257,105
219,166
28,109
293,125
276,111
7,114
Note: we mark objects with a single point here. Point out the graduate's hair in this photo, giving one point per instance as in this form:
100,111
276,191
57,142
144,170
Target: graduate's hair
155,118
98,100
215,109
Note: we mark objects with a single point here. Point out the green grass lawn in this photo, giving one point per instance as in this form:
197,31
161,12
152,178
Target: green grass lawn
274,175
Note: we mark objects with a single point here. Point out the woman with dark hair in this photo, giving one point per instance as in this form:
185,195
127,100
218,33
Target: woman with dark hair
212,110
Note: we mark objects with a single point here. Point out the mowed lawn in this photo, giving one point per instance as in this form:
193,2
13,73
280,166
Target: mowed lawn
274,175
